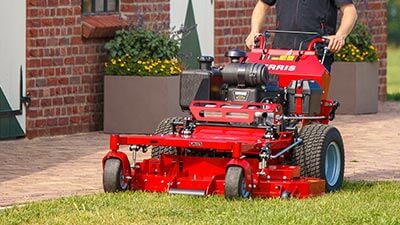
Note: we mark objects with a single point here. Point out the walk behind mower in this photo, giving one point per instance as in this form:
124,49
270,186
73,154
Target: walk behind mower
258,126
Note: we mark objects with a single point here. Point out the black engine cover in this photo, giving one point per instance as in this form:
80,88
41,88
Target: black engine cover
199,85
311,94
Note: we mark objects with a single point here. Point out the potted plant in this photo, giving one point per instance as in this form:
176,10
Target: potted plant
354,81
141,86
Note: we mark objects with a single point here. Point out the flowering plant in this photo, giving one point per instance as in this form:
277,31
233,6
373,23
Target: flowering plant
358,47
143,52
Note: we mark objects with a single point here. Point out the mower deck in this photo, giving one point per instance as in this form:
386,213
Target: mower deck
187,175
179,174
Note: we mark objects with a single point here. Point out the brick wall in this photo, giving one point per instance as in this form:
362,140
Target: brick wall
374,14
64,72
150,13
232,25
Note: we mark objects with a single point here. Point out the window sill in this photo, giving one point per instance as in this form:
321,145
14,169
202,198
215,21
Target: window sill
102,26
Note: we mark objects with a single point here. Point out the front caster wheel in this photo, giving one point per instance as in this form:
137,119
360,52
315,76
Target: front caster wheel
113,176
235,184
286,195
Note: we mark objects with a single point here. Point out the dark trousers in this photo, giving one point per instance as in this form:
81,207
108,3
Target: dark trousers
328,62
328,66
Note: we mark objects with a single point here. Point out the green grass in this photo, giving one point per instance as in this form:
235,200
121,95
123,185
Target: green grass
393,72
357,203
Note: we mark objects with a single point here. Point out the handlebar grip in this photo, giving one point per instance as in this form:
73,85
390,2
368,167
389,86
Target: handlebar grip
326,40
317,40
259,40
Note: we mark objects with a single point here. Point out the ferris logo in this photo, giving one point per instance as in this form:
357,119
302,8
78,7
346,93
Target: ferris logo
290,68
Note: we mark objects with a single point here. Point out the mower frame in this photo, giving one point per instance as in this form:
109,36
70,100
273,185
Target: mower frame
217,127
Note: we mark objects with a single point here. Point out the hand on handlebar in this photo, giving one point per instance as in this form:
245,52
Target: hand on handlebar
251,38
336,42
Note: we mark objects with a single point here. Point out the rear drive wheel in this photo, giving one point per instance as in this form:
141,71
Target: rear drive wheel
165,127
321,155
235,183
113,176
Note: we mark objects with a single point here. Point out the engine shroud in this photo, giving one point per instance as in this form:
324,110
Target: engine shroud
240,82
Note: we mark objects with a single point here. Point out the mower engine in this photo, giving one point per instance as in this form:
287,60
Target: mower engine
257,127
240,81
237,81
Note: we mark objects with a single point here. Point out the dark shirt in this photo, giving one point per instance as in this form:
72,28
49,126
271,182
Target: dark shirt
304,15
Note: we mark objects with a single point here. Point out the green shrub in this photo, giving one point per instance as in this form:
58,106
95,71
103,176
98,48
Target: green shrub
393,7
393,96
143,52
358,47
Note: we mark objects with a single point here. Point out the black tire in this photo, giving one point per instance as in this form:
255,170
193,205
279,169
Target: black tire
318,141
165,127
235,184
113,178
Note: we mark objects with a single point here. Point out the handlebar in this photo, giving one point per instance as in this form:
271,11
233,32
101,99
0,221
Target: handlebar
261,40
317,40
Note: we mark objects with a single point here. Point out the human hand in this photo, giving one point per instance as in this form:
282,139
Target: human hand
336,42
250,39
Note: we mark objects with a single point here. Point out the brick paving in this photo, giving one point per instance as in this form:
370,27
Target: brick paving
51,167
372,143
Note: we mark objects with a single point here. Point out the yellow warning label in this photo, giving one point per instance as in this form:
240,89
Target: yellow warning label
283,57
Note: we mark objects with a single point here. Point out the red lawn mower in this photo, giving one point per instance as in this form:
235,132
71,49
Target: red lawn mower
258,126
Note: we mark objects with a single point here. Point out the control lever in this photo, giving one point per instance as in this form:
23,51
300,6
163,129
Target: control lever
324,54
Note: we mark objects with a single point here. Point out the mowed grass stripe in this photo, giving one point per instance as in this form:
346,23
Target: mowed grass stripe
357,203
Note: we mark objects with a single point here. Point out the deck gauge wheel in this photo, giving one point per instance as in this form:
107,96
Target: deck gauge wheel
235,183
113,176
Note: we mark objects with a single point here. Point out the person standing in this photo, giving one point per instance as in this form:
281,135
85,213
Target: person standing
305,15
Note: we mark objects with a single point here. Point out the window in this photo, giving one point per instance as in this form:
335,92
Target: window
99,6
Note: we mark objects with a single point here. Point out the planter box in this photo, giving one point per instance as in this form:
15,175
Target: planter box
355,86
134,104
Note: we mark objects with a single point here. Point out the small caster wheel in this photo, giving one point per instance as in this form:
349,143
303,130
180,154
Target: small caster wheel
235,183
285,195
113,176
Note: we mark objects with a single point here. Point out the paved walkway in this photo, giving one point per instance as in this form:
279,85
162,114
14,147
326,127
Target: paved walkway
50,167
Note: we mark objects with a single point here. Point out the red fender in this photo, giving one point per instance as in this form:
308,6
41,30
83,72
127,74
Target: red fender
124,160
247,170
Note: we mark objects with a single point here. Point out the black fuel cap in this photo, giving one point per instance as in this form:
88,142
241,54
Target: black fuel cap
235,54
205,62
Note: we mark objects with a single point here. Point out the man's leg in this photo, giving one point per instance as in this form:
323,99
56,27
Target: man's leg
328,62
328,66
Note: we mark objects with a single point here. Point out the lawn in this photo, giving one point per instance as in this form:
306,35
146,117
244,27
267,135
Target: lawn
393,70
357,203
